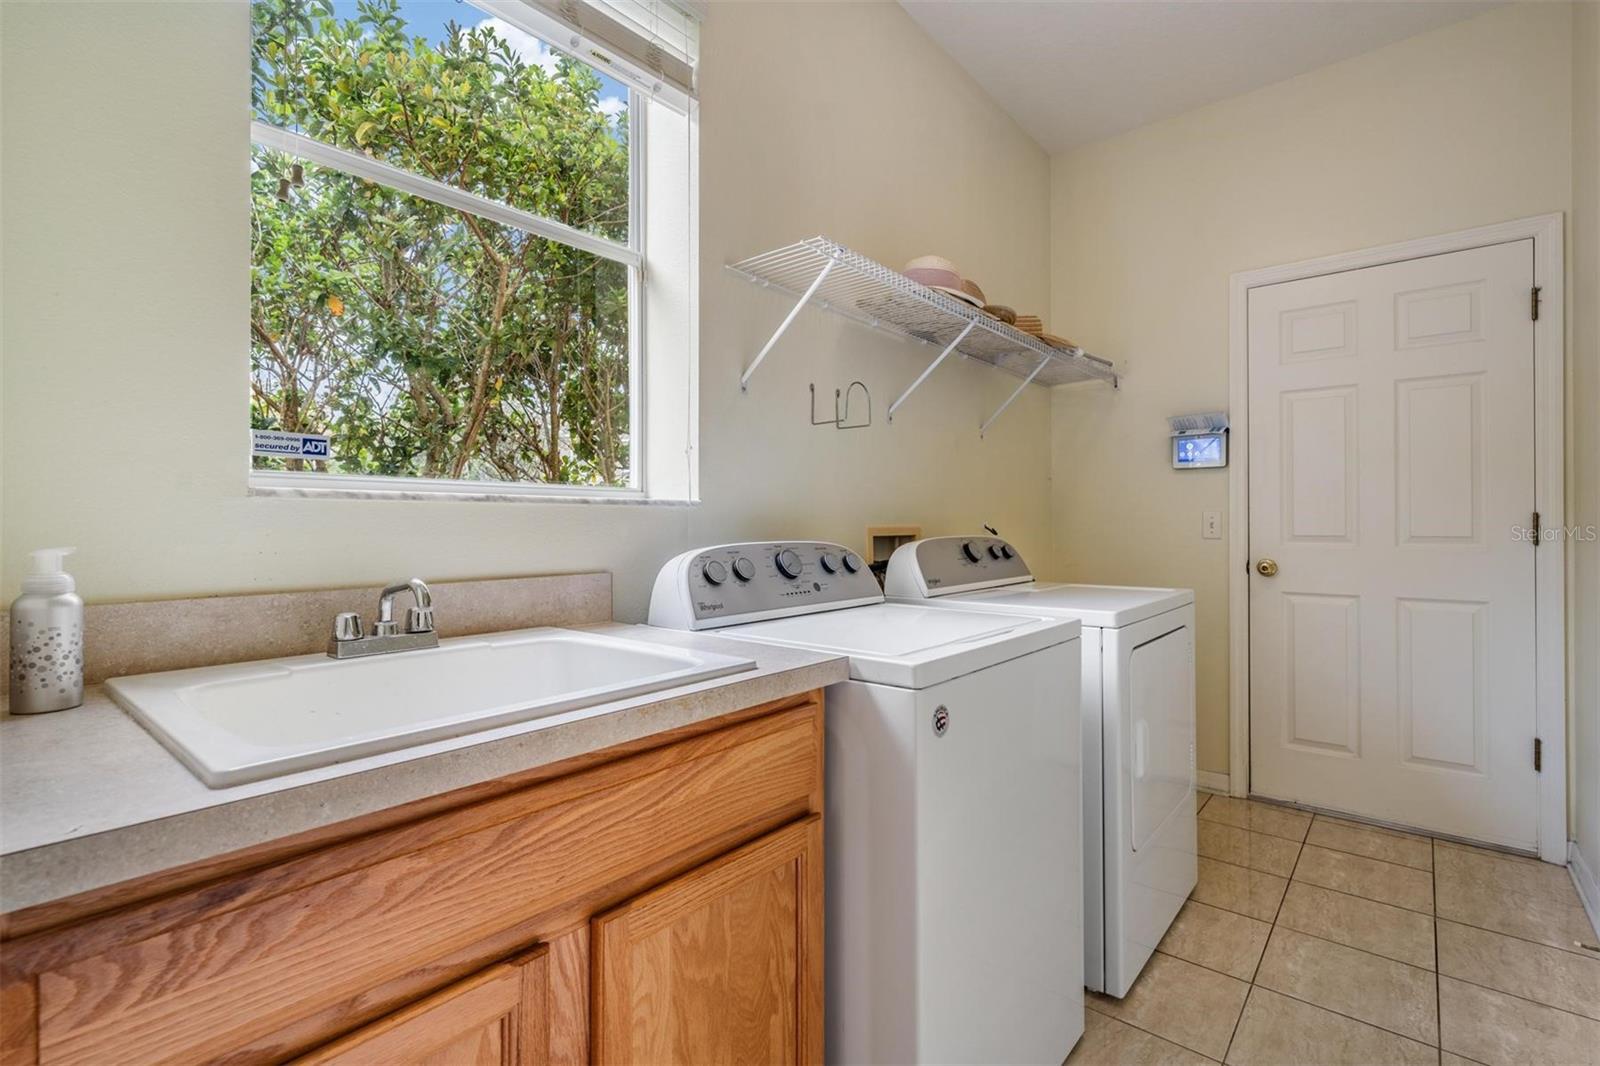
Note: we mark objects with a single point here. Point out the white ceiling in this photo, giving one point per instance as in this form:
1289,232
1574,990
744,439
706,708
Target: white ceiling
1074,71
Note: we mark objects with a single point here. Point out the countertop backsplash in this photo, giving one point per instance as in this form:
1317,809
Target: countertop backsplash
151,635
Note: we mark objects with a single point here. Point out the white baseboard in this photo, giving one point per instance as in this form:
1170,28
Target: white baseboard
1211,781
1588,887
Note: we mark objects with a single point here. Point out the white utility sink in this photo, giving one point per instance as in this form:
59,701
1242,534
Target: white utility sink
248,721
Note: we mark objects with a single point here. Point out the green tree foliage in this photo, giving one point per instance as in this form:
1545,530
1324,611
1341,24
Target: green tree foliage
426,340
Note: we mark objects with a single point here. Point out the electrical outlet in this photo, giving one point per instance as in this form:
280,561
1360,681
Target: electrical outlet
1211,525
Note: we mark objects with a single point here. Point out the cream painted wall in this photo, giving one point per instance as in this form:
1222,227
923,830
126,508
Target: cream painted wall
1583,409
1459,127
126,295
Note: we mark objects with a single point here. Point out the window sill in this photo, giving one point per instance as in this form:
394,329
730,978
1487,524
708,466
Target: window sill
290,487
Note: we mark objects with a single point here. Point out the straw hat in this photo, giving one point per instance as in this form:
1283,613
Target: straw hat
937,272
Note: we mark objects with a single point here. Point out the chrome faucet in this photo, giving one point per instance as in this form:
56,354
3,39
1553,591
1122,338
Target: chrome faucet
348,641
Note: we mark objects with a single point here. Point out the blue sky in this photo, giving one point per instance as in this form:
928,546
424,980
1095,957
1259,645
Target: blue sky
428,18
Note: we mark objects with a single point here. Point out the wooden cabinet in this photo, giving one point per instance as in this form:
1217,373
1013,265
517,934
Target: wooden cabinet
721,965
675,884
494,1018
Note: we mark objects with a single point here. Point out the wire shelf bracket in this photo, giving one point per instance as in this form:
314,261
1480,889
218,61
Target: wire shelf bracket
931,368
824,273
1012,398
783,327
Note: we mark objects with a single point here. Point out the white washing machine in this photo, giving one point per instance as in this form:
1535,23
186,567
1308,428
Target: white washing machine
952,792
1138,733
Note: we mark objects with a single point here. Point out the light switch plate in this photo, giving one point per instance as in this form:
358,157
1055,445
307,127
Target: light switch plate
1211,525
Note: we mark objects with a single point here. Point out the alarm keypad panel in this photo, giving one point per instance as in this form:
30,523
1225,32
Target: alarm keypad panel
735,580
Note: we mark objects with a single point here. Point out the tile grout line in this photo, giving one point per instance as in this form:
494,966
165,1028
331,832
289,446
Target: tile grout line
1497,932
1374,858
1415,835
1249,829
1158,1036
1253,869
1306,843
1203,966
1274,924
1409,833
1515,996
1352,947
1558,896
1438,985
1438,1051
1271,929
1487,929
1347,1017
1437,973
1433,915
1321,1006
1328,888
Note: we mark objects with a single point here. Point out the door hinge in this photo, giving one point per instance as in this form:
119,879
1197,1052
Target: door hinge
1538,756
1537,531
1535,303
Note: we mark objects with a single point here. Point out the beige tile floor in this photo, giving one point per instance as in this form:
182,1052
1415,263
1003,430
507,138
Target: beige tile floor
1310,939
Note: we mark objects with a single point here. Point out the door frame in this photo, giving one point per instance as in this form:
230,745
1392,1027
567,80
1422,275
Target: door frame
1549,339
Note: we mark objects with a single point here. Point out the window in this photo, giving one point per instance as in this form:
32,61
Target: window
448,245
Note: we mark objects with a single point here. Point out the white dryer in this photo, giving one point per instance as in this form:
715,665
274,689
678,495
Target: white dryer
1139,831
952,788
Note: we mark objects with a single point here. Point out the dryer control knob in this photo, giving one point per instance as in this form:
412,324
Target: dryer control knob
852,561
714,572
743,569
994,551
1005,550
829,561
969,551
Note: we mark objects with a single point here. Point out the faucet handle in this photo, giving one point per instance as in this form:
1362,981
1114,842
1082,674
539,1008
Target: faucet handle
347,626
419,620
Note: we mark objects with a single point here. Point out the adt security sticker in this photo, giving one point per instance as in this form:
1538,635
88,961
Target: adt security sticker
289,445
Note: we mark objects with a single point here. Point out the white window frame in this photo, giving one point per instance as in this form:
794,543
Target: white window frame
631,255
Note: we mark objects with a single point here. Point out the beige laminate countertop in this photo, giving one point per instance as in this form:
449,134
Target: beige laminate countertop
89,799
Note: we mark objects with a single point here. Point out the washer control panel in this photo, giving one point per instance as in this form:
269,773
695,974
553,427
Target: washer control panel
940,566
759,579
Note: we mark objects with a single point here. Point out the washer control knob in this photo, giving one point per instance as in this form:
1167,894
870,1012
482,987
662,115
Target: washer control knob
994,551
969,551
788,563
743,569
830,562
714,572
852,561
1005,550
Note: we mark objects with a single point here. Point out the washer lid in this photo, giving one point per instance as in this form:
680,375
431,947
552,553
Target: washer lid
911,646
1104,606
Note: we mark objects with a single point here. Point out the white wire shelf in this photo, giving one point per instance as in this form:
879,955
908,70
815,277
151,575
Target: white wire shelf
821,272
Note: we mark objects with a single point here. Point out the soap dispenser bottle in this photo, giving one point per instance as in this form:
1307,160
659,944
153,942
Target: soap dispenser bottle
46,638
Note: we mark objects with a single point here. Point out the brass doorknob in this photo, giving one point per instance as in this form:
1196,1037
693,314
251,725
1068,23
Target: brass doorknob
1266,568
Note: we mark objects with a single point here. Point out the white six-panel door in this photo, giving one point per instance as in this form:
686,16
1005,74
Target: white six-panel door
1391,441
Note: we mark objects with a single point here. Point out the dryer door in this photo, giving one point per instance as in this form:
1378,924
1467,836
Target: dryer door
1161,729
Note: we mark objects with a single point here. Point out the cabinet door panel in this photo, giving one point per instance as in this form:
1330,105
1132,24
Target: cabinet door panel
242,970
493,1018
721,965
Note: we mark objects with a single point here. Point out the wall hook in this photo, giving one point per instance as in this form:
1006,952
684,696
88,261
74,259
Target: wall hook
841,408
